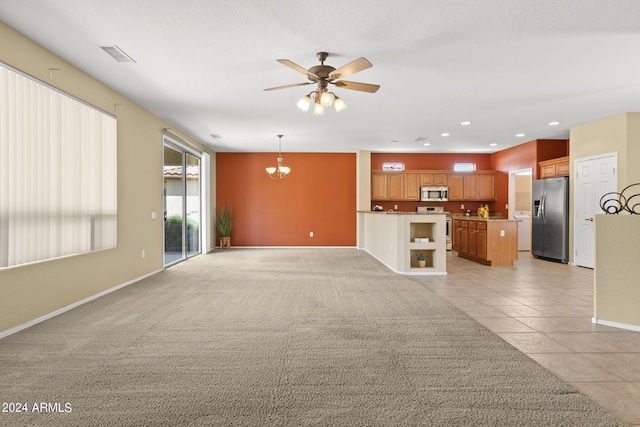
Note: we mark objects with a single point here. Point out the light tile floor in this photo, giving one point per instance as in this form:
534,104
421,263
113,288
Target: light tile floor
545,310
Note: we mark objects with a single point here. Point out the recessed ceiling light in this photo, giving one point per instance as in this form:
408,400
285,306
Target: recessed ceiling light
520,135
465,123
554,123
493,144
445,134
426,144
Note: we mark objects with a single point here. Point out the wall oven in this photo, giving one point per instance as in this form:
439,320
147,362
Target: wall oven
434,194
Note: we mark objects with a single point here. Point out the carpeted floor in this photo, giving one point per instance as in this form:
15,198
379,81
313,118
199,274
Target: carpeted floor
278,337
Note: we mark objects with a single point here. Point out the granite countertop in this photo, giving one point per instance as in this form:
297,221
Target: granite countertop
405,213
477,218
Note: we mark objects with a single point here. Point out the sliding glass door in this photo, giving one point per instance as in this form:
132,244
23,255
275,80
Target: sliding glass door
182,204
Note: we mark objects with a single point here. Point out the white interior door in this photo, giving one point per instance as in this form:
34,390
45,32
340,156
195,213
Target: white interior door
595,176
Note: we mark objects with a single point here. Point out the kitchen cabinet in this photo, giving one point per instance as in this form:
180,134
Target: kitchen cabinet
379,186
434,178
472,186
387,186
479,186
412,186
489,242
456,185
554,167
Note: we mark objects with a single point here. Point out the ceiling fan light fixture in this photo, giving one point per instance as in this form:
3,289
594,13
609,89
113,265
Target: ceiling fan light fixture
323,75
304,103
326,99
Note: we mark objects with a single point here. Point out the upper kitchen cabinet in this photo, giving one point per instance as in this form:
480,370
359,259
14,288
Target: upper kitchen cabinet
479,186
388,186
434,178
554,167
456,185
412,183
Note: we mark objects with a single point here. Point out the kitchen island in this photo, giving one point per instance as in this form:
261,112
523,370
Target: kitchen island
490,241
399,239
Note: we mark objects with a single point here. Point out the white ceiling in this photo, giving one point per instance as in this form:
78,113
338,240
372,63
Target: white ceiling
508,66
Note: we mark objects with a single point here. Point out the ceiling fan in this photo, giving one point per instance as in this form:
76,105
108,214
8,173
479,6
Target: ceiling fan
322,76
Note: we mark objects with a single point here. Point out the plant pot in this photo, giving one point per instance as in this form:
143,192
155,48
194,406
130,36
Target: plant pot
225,241
422,263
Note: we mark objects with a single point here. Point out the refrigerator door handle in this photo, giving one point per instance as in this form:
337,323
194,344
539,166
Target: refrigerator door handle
542,203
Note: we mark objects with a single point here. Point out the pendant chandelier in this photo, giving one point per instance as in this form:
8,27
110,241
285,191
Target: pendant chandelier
279,171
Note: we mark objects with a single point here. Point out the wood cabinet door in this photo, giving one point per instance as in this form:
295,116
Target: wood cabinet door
426,179
562,168
455,243
547,171
487,186
470,187
455,187
396,186
412,186
464,237
379,190
440,179
481,244
473,242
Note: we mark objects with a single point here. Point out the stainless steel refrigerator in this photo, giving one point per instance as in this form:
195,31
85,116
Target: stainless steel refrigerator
550,219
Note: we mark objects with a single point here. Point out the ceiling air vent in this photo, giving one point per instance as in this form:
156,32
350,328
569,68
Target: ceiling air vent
216,136
117,53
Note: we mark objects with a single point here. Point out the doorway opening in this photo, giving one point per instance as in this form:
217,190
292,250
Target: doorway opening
520,182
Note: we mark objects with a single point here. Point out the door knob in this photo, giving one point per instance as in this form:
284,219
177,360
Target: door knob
589,219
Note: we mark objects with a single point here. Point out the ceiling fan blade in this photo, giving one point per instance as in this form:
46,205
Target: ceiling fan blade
362,87
350,68
298,68
288,86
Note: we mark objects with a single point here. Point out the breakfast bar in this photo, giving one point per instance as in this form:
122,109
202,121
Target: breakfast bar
406,242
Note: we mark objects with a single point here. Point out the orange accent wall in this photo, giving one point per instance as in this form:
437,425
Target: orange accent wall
427,161
318,196
523,156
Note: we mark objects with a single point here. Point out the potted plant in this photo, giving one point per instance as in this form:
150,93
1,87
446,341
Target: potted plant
422,260
224,223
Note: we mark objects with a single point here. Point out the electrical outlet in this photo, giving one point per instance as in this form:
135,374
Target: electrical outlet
153,215
395,207
506,206
143,253
461,206
311,234
501,233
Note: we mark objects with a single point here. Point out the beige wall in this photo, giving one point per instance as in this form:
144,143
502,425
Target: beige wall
617,294
618,134
35,290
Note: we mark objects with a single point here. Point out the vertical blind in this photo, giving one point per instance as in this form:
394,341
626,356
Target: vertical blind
58,182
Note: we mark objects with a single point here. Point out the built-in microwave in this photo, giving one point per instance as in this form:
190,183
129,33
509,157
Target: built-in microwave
434,194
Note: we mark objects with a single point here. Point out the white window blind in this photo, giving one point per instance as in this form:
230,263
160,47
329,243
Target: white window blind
58,182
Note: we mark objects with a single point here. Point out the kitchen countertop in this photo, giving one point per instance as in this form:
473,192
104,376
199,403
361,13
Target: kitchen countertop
477,218
405,213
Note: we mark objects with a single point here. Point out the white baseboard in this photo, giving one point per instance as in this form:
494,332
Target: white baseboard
597,321
74,305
